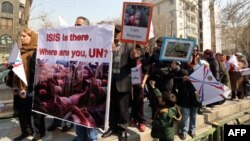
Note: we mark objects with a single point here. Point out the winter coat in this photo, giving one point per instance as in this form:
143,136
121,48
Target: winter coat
163,122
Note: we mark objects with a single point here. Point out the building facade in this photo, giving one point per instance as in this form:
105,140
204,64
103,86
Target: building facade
176,18
185,19
9,25
205,27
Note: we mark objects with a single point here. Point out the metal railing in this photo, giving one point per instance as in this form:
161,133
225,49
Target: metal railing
219,125
209,134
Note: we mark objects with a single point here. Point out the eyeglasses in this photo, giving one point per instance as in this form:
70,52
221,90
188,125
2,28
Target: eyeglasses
78,24
195,49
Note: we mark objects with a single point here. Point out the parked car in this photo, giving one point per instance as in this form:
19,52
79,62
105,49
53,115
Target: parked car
6,96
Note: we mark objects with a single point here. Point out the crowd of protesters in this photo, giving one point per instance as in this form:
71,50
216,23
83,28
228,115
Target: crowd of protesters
165,84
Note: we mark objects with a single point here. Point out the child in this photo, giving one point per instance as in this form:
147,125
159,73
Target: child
163,122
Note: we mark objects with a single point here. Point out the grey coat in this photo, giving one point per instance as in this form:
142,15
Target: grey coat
123,79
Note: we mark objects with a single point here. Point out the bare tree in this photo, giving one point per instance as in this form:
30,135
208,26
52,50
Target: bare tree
25,14
43,20
235,20
212,23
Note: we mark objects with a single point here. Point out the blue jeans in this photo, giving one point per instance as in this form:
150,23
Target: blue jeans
188,121
86,134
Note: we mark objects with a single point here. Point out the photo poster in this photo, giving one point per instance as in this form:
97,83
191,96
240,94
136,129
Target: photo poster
136,20
73,74
177,49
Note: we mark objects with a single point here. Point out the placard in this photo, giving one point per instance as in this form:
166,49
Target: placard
176,49
136,75
136,21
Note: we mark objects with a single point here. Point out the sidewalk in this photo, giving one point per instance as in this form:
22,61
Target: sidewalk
9,128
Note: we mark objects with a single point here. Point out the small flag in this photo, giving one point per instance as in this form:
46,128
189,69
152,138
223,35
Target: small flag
16,61
208,88
62,22
151,31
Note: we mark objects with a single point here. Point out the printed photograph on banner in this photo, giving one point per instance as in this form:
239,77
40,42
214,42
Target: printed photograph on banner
176,49
72,75
136,21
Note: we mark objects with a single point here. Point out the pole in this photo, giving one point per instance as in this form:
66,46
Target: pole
171,28
212,25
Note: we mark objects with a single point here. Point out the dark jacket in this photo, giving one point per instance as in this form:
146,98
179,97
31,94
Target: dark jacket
214,67
186,96
32,66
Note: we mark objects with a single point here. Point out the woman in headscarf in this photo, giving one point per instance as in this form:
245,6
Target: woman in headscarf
23,92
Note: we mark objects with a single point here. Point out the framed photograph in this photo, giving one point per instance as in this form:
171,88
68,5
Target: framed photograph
136,20
176,49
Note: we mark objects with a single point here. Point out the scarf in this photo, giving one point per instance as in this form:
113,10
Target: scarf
26,54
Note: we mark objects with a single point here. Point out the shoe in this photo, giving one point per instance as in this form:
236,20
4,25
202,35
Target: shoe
21,137
191,134
182,136
239,100
108,133
200,111
123,136
67,128
38,136
52,127
141,127
132,123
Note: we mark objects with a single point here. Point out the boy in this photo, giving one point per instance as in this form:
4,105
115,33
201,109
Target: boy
163,122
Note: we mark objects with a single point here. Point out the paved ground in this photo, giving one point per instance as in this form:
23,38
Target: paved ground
9,129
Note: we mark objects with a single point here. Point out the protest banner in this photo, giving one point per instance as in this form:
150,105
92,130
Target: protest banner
136,20
72,79
176,49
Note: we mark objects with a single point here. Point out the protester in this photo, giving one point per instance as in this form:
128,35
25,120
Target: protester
164,82
57,123
195,63
120,88
167,113
187,100
137,113
23,94
213,63
242,58
84,133
236,78
213,66
224,76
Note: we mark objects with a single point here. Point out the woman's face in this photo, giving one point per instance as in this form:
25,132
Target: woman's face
25,38
195,52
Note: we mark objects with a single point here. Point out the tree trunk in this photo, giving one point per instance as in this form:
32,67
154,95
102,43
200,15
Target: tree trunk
25,15
212,26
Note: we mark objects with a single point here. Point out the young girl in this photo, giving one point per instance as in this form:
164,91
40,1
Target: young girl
163,122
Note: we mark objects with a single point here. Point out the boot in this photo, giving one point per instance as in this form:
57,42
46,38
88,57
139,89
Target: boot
233,95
